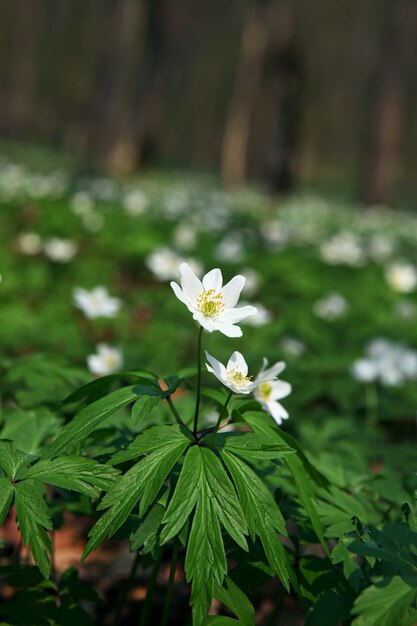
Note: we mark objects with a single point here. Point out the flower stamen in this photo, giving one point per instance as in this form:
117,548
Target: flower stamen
236,377
265,390
210,303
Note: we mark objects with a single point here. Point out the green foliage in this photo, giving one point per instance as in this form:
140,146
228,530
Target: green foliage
34,521
231,596
89,419
336,475
141,483
205,486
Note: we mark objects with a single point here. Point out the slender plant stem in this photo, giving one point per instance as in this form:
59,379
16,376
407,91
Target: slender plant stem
197,400
125,590
147,605
222,415
165,614
176,414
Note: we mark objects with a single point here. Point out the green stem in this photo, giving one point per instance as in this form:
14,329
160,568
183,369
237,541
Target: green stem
176,414
197,401
147,605
125,590
165,614
222,415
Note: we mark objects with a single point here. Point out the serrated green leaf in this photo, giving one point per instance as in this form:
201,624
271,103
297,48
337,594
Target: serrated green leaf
12,459
185,495
34,522
6,497
28,429
204,484
205,562
151,439
252,445
231,596
143,407
96,389
262,513
263,423
385,604
146,535
89,419
74,473
142,482
149,390
301,469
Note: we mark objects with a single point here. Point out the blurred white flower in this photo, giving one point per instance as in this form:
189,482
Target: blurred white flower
343,249
381,247
185,236
107,360
365,370
230,249
331,307
292,346
213,305
96,303
268,393
401,277
260,318
389,362
235,374
81,203
163,263
275,234
253,281
135,202
60,250
29,243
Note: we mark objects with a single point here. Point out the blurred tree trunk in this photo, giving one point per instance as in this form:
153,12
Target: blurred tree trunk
389,105
268,77
123,56
27,18
282,81
248,73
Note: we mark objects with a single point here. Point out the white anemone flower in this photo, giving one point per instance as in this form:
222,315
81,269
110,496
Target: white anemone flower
60,250
235,374
213,305
401,277
270,391
107,360
96,303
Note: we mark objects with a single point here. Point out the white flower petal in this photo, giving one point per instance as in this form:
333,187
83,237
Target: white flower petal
280,389
180,295
191,285
217,368
213,280
205,322
233,316
277,411
230,330
271,372
231,291
237,362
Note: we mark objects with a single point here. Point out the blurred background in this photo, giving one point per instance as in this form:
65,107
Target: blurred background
283,92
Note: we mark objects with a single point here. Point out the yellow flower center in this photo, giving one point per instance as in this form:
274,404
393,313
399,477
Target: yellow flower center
238,378
265,390
210,303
